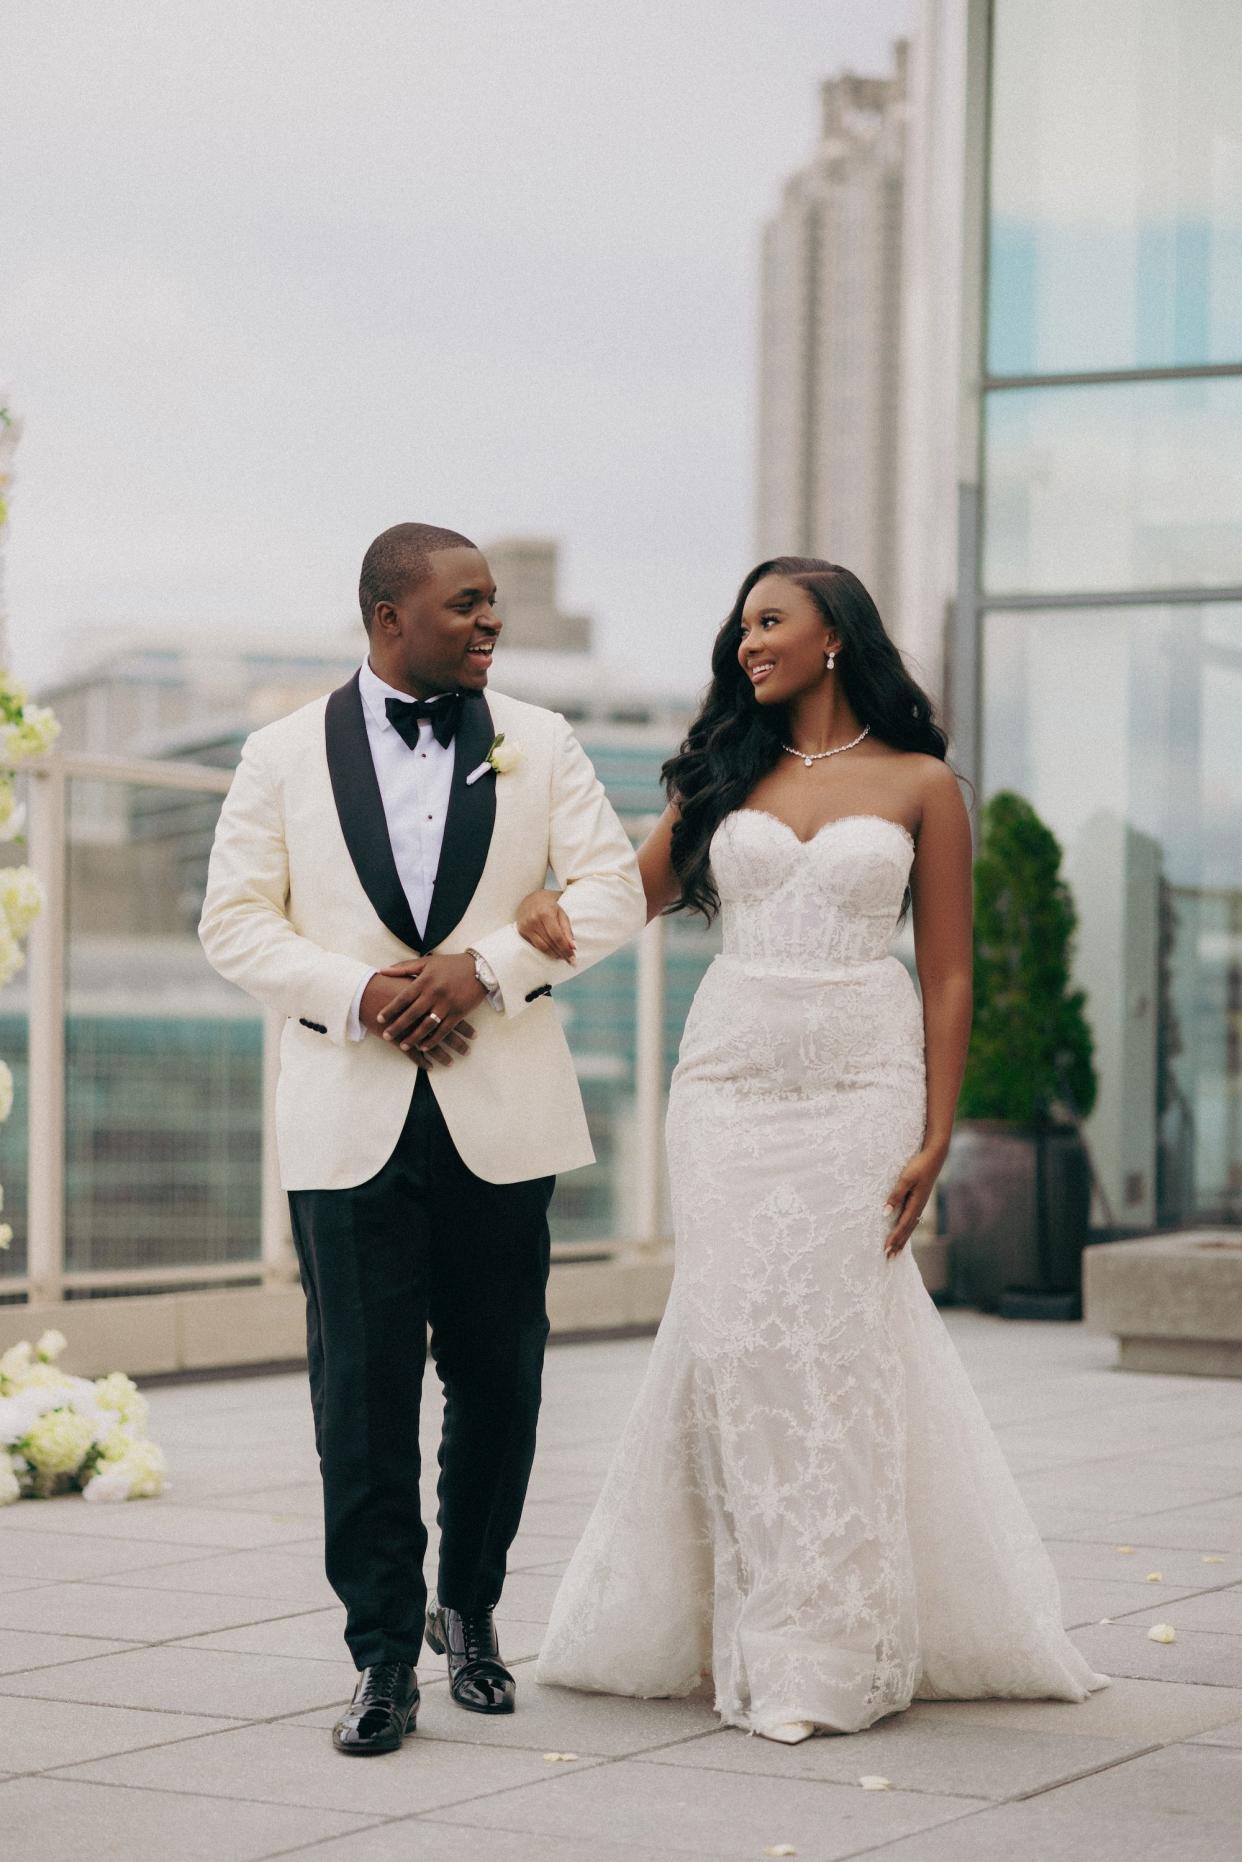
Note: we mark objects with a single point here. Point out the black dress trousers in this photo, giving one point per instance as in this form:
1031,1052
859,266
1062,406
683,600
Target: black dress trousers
424,1243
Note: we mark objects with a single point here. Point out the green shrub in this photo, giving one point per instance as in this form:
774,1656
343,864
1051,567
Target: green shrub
1030,1047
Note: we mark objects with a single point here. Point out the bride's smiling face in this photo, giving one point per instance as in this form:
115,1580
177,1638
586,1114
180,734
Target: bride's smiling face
784,641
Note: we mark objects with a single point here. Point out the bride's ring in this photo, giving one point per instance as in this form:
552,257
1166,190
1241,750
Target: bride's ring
433,1018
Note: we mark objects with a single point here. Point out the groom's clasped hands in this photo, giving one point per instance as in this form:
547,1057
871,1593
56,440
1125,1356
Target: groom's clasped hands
421,1006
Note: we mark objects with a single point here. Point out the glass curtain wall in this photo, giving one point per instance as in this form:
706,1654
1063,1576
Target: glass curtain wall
1110,557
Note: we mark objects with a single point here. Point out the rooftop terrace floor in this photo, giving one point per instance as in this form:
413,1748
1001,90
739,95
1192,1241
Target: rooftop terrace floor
169,1670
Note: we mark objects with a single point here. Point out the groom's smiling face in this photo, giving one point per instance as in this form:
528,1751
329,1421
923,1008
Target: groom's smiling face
438,635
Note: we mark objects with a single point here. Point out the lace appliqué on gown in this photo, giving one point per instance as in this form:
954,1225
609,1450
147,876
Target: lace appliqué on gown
807,1504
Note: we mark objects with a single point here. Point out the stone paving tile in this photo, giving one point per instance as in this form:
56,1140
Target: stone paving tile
530,1550
1179,1783
296,1576
429,1840
1086,1600
1213,1526
318,1635
35,1734
529,1595
58,1818
288,1764
1133,1485
1220,1451
313,1635
1203,1656
684,1810
29,1648
1047,1829
231,1579
170,1677
1144,1712
145,1522
1219,1610
555,1719
1228,1735
1100,1558
297,1499
129,1614
563,1519
915,1755
44,1555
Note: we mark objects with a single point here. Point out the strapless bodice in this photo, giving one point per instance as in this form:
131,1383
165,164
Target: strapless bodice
834,899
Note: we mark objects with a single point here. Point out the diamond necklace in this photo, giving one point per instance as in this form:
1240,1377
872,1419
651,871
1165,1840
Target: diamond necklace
817,756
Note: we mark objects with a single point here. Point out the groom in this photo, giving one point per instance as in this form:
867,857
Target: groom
368,862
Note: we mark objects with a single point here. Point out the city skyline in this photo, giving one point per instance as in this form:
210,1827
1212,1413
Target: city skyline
387,266
830,338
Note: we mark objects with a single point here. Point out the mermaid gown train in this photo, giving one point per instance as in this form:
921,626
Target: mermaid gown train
807,1504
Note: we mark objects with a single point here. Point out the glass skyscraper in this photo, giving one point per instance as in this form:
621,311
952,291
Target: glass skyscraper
1095,656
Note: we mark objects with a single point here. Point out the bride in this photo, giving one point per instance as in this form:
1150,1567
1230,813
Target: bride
807,1504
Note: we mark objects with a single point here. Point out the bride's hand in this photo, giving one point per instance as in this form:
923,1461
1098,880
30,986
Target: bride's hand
908,1198
541,921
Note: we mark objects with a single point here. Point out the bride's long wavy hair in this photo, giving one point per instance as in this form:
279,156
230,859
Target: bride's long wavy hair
734,740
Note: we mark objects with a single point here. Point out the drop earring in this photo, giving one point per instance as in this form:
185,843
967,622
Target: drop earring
831,661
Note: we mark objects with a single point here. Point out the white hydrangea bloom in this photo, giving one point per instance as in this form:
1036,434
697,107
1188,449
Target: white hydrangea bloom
37,730
110,1483
44,1377
139,1475
9,1488
57,1443
16,1360
50,1345
12,812
21,898
119,1392
11,958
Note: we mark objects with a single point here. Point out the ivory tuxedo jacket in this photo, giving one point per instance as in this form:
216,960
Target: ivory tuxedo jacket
303,900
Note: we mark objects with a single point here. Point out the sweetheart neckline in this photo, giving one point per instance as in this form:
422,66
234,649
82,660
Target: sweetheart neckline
834,822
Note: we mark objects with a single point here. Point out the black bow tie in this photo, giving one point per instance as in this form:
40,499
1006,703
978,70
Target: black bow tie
405,715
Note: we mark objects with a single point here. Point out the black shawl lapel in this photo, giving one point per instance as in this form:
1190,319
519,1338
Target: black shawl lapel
468,825
356,791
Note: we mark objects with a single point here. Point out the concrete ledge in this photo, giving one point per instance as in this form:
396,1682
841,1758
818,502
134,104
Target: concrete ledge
154,1334
1174,1302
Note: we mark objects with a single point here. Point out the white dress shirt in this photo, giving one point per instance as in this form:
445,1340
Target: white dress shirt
414,786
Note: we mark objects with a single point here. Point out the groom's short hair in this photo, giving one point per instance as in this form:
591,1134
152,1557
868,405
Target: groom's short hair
399,559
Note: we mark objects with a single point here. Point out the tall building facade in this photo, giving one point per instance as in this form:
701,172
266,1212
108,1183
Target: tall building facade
1087,181
527,573
830,339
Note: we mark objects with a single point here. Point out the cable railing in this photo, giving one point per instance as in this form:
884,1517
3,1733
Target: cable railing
147,1083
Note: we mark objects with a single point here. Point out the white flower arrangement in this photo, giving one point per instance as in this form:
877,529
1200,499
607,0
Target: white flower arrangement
501,757
58,1432
26,731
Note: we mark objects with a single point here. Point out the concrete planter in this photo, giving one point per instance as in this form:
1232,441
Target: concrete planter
1016,1202
1174,1302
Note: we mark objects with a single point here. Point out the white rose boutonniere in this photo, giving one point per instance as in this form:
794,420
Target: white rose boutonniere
502,757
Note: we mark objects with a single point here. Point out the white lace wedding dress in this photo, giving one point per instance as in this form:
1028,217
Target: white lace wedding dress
807,1504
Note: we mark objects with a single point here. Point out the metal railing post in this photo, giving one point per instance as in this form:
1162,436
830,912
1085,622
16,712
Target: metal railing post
276,1242
45,1203
649,1083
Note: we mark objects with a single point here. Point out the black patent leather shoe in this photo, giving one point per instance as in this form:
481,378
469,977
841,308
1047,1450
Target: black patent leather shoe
383,1710
478,1678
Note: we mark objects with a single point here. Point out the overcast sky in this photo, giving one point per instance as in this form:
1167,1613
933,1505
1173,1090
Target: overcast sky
279,273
